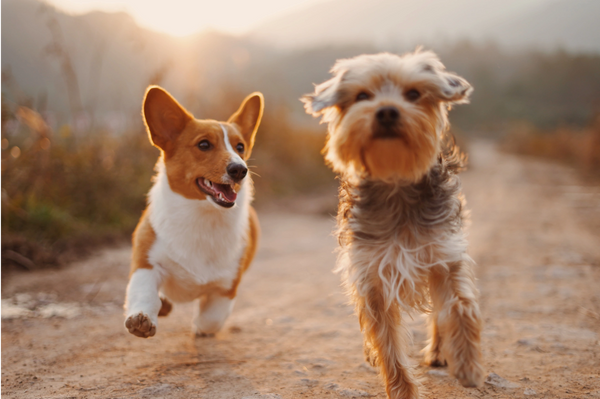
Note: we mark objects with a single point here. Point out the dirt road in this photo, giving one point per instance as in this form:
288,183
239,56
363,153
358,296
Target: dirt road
535,235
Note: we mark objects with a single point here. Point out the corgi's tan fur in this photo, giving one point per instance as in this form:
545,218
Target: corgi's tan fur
199,233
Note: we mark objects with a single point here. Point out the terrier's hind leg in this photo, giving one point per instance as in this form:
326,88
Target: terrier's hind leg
385,343
459,324
433,350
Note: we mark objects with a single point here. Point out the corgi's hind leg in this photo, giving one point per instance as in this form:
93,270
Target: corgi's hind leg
165,306
211,314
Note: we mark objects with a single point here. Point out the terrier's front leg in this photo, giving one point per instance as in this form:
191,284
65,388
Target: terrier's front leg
143,303
211,314
385,342
459,323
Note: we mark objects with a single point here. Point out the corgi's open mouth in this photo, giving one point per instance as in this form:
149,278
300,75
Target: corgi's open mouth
222,194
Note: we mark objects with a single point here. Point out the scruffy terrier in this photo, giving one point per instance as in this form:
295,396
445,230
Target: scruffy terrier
400,215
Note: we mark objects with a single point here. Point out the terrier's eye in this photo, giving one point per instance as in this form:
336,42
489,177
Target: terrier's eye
240,148
204,145
362,96
412,95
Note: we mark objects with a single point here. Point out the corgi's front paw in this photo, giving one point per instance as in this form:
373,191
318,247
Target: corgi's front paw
140,325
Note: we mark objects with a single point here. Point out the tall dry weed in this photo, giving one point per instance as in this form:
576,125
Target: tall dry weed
63,193
577,147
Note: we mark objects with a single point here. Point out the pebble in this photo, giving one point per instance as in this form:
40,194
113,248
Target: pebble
438,373
529,391
497,381
353,393
526,341
367,367
156,390
310,383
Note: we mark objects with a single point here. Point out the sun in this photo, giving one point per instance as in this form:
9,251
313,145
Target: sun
185,17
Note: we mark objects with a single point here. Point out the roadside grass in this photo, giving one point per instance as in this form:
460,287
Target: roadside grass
579,148
64,193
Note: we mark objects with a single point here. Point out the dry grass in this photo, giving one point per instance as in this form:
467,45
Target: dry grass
577,147
64,193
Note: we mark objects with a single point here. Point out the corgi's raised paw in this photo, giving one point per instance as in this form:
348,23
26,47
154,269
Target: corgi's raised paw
140,325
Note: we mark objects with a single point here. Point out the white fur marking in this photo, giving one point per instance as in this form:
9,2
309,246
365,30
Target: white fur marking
197,242
142,294
235,158
211,314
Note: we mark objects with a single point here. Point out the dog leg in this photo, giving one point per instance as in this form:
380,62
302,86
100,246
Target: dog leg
433,351
211,314
143,303
165,306
385,344
454,297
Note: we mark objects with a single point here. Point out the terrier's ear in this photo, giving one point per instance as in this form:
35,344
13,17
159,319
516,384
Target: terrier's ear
248,118
326,95
164,117
452,88
445,86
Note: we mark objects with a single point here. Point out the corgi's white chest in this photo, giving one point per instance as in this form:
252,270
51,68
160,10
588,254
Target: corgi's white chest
197,242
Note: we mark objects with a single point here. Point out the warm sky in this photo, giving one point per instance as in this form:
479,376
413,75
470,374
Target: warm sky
183,17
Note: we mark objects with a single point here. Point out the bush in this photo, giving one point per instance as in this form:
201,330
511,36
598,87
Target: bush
63,193
577,147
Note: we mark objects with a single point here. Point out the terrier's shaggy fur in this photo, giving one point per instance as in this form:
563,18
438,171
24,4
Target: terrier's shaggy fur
401,211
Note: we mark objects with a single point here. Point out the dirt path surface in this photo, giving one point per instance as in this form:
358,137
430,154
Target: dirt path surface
535,235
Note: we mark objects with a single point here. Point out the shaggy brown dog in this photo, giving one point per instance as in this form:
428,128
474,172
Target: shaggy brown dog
400,215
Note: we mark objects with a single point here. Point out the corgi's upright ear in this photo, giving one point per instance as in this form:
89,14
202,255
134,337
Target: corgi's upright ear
247,118
164,117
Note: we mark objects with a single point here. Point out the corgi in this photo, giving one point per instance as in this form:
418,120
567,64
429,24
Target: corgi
198,234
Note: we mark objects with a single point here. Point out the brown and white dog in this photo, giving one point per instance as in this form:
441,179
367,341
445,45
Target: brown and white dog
400,215
199,233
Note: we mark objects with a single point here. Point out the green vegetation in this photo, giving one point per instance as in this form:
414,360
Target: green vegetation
68,185
65,192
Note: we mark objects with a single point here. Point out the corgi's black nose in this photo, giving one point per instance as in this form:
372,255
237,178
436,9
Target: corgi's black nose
237,171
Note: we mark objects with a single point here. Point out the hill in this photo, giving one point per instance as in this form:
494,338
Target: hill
517,24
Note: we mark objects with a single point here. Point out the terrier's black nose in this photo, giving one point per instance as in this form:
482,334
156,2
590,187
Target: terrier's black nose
387,116
237,171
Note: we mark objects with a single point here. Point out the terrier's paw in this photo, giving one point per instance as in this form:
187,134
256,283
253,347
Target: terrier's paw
371,355
140,325
470,375
434,358
436,363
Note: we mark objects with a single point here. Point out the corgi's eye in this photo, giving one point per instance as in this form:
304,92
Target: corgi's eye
240,148
204,145
362,96
412,95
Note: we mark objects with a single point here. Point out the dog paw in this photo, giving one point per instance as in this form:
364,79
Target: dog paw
204,335
470,375
436,363
371,355
140,325
435,359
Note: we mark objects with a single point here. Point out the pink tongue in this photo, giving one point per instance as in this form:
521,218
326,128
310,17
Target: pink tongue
225,190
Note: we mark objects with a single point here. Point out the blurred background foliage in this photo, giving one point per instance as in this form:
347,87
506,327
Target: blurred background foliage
77,164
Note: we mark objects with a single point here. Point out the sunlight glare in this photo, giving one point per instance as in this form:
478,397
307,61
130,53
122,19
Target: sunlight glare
185,17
